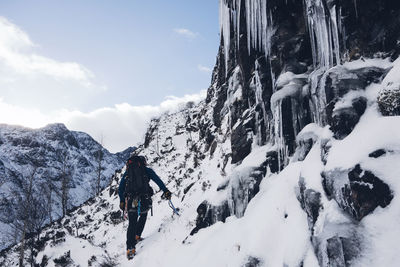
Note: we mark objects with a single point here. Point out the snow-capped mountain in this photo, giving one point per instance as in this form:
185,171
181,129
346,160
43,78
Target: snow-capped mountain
289,161
44,153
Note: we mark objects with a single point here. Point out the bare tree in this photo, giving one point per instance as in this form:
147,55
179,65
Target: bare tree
47,190
65,180
24,212
38,217
27,214
99,159
99,155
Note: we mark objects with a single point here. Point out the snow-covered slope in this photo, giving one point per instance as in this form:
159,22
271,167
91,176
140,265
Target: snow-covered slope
289,161
45,152
292,220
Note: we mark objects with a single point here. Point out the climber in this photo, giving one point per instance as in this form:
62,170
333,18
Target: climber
135,198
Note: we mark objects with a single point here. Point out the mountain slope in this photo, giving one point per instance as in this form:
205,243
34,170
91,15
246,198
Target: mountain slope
274,229
289,161
47,153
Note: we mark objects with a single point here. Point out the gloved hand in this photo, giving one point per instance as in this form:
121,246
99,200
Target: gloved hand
122,205
166,195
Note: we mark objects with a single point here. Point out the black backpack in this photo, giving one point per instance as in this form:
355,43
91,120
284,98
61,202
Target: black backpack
137,180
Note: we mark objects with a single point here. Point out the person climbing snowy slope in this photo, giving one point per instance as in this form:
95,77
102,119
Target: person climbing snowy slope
135,198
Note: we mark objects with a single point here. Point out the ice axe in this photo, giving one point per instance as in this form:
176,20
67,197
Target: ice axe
171,205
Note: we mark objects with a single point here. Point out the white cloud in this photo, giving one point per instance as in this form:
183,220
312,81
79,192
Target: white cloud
17,55
204,68
185,32
12,114
121,126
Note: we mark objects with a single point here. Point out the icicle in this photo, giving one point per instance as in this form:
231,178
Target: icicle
259,101
342,29
225,26
335,34
355,7
257,25
238,7
229,18
318,95
324,31
323,34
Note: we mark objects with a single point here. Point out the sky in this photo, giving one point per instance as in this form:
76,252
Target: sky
103,67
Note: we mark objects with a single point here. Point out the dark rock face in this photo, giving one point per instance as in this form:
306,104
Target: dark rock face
340,81
242,188
341,250
245,67
268,87
310,201
343,122
208,214
371,26
272,161
359,193
241,141
335,252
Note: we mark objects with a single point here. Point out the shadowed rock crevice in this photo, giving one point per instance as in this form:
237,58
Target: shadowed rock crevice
358,192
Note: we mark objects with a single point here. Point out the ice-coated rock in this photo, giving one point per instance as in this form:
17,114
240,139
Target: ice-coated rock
357,191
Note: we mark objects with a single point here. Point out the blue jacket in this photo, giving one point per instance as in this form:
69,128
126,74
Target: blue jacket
152,175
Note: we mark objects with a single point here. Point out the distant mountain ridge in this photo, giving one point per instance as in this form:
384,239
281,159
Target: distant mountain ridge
23,150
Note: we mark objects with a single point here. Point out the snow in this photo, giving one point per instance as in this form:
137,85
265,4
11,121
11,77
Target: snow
285,78
373,132
383,63
22,148
78,247
346,100
266,213
272,227
311,130
291,89
225,244
381,231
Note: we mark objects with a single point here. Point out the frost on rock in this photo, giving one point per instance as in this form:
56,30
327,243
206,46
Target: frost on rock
389,100
244,185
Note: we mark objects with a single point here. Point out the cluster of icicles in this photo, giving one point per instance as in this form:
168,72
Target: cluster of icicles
258,25
324,26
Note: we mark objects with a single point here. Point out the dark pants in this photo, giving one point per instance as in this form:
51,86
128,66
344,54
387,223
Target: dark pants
135,228
136,222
